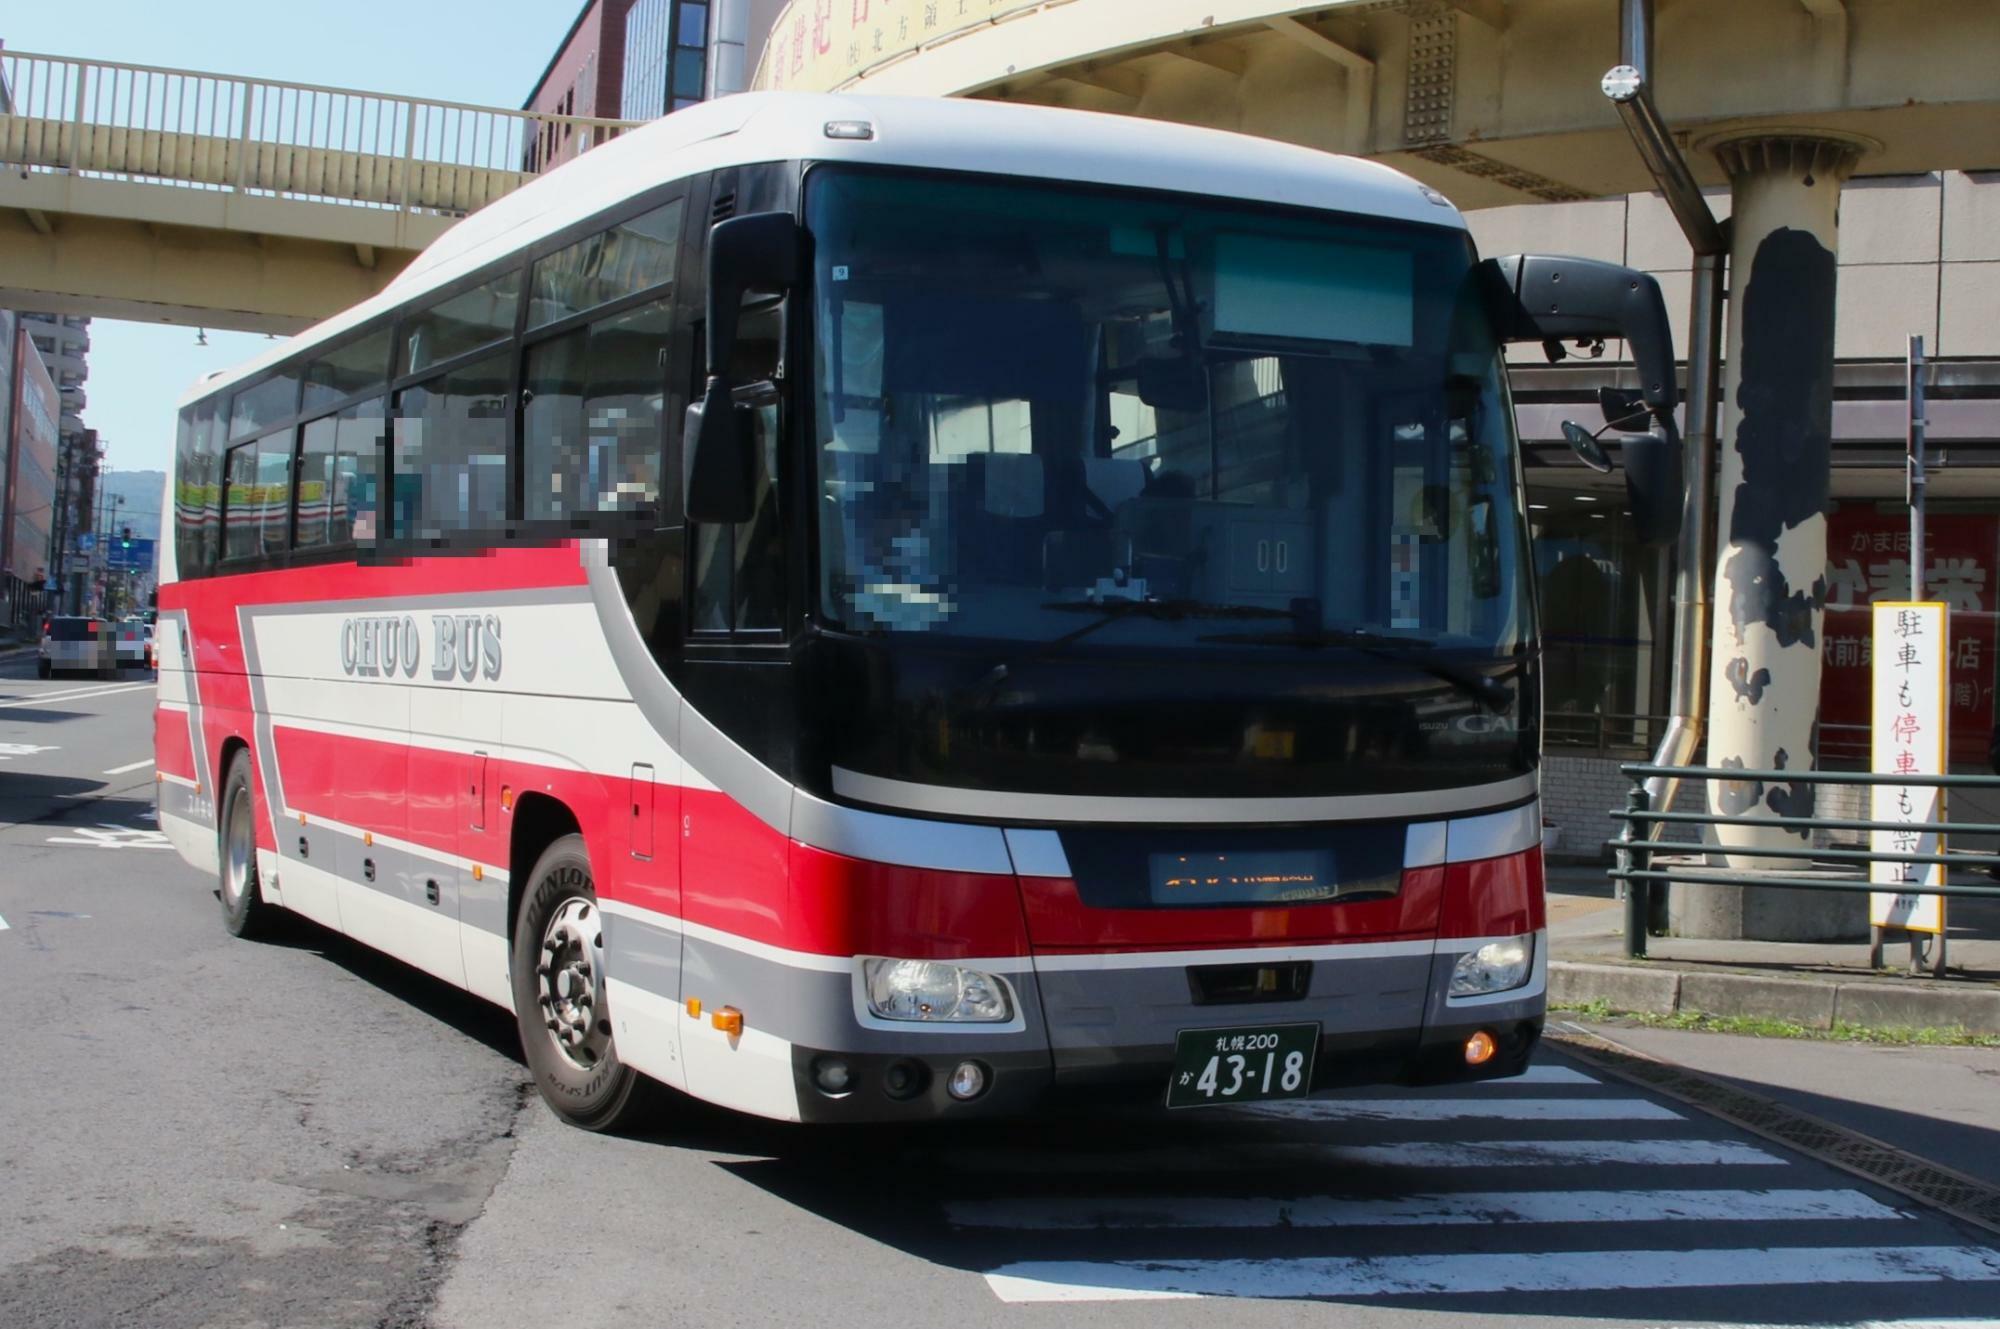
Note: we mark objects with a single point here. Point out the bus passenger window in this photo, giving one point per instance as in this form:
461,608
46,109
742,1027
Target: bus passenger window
591,426
451,452
198,491
337,465
462,323
274,491
240,515
316,443
630,257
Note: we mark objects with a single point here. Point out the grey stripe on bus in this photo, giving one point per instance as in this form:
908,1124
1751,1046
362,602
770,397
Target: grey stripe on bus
951,801
401,874
1148,1007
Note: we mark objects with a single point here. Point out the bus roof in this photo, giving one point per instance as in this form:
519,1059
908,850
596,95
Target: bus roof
999,138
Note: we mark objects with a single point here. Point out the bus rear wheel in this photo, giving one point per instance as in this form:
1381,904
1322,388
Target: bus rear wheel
244,911
559,1001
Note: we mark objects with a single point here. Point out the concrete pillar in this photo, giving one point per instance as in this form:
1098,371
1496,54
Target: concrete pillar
1770,588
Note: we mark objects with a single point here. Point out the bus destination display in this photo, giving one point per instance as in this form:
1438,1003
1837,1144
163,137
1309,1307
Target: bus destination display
1242,877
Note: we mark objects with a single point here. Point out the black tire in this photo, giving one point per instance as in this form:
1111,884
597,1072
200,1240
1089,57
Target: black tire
244,910
43,669
558,975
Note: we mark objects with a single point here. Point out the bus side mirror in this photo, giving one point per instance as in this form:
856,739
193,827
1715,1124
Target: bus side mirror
718,466
760,251
1654,488
1543,298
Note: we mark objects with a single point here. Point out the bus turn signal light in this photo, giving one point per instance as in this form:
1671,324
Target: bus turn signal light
1479,1049
729,1020
694,1008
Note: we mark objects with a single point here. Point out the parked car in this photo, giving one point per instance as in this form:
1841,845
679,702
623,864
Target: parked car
75,641
134,643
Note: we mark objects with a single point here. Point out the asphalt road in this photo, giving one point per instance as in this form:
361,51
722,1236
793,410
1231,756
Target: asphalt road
201,1131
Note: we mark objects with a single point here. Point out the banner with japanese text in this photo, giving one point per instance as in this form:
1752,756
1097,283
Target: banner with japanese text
1909,732
817,45
1867,562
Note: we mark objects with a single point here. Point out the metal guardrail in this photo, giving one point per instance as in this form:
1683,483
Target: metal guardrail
108,120
1639,842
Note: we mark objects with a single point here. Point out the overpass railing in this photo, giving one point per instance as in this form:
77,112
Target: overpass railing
108,120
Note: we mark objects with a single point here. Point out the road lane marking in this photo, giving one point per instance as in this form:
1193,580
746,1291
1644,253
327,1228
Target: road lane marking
106,835
1473,1274
47,698
1291,1155
3,925
1458,1109
1546,1075
11,750
129,766
1083,1213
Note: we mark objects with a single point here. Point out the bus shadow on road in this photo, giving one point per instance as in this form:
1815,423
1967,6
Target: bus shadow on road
451,1006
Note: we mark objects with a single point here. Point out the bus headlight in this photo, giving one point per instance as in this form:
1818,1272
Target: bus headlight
928,990
1494,967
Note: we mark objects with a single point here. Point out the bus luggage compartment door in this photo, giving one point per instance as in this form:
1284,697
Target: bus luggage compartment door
1141,934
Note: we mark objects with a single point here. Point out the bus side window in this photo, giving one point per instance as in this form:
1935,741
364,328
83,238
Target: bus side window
737,581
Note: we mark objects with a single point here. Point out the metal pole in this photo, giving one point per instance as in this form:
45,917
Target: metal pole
1915,460
1633,855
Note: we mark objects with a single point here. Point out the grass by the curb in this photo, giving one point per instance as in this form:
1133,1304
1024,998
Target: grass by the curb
1759,1027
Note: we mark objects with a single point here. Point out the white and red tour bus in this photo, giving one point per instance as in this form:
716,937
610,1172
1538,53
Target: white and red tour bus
865,609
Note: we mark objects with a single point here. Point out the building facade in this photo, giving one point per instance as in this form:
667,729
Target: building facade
642,59
27,524
583,78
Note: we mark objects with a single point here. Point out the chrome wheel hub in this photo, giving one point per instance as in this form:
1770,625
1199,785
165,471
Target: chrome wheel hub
570,980
239,850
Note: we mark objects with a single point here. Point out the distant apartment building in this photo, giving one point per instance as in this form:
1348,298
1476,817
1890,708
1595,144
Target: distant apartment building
27,521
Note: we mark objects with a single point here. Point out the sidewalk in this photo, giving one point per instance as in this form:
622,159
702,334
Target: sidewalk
1814,985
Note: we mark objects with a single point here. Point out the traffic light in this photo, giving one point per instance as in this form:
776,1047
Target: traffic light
125,537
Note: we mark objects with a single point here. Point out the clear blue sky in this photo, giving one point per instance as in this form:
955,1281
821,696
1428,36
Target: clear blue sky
488,52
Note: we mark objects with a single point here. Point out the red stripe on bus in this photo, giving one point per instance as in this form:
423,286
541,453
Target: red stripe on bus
173,753
849,906
1494,897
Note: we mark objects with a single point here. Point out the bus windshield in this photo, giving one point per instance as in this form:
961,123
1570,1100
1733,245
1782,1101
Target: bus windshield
1046,410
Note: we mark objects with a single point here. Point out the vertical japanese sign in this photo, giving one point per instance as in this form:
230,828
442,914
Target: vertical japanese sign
1909,738
1868,561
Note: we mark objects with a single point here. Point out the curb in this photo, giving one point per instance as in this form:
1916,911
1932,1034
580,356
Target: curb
1812,1003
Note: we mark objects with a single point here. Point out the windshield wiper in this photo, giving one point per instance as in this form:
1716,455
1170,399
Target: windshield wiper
1483,688
1113,611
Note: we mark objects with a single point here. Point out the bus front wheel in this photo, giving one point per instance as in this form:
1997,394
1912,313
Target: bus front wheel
559,1003
244,911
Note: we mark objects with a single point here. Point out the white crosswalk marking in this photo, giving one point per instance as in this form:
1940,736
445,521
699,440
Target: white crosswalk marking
1069,1213
1556,1271
1545,1073
1254,1154
1358,1198
3,925
1459,1109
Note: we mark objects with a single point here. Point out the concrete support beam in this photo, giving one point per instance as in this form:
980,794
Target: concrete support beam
39,220
130,269
1119,80
365,256
1359,72
1493,13
1223,56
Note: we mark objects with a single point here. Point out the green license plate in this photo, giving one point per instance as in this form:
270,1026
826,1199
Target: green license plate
1217,1066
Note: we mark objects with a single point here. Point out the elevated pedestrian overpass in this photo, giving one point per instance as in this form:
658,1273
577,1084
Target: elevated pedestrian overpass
168,195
